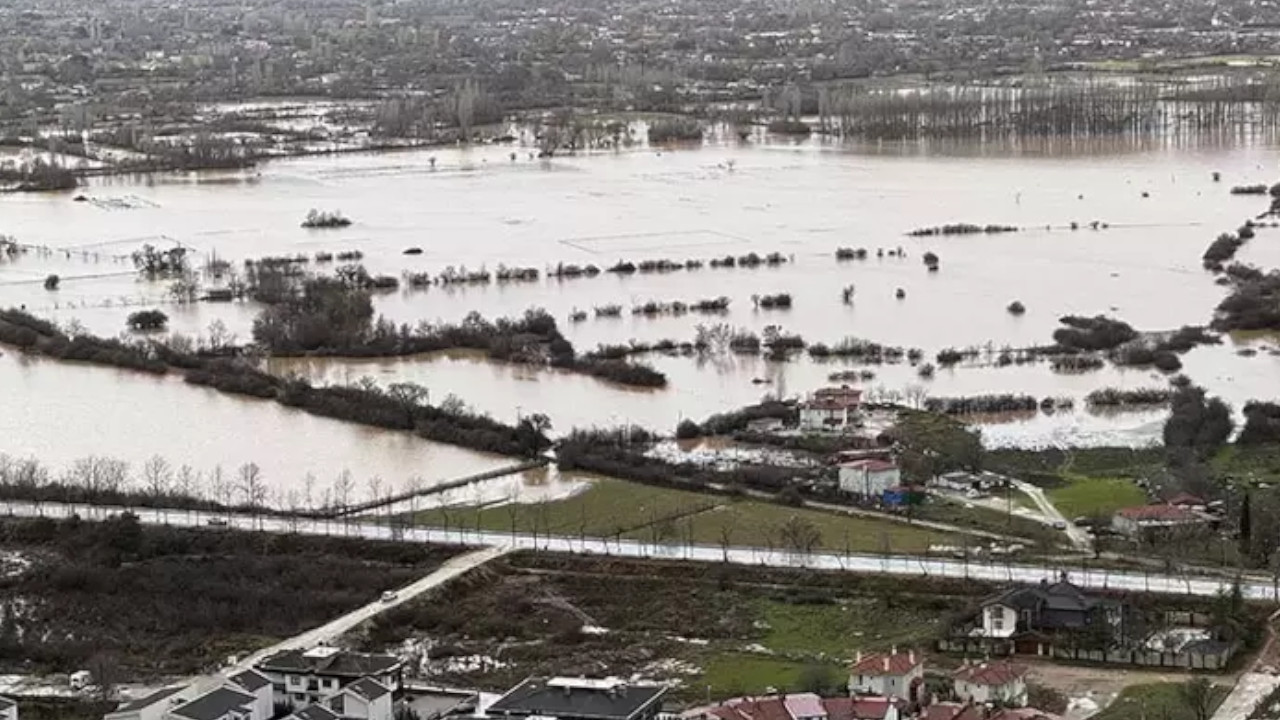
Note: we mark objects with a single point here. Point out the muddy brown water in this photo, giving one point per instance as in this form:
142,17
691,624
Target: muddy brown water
477,207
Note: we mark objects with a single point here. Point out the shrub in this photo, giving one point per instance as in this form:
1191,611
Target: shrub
51,282
1016,308
148,320
687,430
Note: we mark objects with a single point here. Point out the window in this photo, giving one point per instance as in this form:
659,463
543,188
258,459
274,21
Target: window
997,621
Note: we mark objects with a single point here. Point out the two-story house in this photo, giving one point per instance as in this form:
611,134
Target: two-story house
302,678
1002,683
831,409
893,674
869,478
364,699
1050,608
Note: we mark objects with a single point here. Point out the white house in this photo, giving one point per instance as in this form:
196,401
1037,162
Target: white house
153,706
1135,521
363,699
259,686
831,409
869,478
999,621
992,682
892,675
8,708
303,678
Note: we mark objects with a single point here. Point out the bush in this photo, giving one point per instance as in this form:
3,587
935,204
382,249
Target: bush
1261,423
1095,333
675,130
51,282
1221,250
148,320
687,430
1016,308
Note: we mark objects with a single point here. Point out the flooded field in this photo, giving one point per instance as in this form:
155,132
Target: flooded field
478,207
61,412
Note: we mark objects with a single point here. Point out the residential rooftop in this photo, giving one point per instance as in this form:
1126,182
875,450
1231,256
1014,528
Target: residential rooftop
597,698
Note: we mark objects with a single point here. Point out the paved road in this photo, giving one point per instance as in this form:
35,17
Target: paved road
330,631
906,565
1250,690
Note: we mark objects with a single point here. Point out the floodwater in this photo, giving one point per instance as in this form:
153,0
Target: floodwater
479,207
60,412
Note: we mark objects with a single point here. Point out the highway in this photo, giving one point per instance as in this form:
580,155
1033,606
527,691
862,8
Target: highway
901,565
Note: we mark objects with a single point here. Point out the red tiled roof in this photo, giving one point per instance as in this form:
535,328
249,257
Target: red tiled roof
835,399
881,664
860,708
1158,512
993,674
953,711
775,707
766,708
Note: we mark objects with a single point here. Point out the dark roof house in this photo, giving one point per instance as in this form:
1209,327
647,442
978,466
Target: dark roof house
330,661
580,699
250,680
368,689
216,705
1057,606
147,701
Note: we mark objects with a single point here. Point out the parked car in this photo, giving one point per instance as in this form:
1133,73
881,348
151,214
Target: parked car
1059,524
216,522
389,596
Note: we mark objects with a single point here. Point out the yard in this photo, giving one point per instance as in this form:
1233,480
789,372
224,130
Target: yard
616,508
1096,497
735,629
1163,701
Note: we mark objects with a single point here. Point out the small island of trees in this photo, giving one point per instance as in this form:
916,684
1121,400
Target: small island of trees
325,219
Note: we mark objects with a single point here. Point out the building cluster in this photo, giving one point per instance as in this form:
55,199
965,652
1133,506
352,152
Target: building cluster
324,683
891,686
1061,621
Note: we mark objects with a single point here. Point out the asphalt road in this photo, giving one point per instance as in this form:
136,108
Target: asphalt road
902,565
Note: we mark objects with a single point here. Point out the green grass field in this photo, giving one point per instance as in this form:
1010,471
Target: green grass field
1156,700
736,674
615,508
840,629
1092,496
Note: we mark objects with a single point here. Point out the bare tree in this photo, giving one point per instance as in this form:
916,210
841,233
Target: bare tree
252,487
727,524
1198,695
800,535
411,396
157,476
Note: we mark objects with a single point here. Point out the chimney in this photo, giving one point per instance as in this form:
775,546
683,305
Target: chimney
857,658
911,656
886,663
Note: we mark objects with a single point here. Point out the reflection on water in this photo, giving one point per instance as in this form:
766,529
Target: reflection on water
700,389
477,207
59,412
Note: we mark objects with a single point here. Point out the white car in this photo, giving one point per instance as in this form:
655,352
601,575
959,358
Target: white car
389,596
